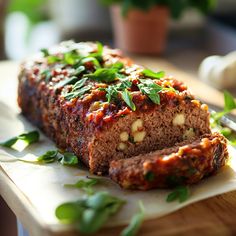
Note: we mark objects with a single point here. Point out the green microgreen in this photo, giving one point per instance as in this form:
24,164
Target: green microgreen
180,193
135,223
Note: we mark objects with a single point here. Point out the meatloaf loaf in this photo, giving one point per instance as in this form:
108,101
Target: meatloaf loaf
95,102
185,163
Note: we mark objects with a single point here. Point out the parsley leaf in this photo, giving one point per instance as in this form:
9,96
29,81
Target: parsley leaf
66,81
135,223
128,99
23,140
151,89
48,157
89,214
78,93
112,93
154,75
47,75
86,185
181,193
68,158
106,75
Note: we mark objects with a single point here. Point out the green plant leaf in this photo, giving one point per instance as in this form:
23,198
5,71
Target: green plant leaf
135,223
69,159
48,157
105,75
25,138
154,75
127,97
65,82
181,193
149,176
229,102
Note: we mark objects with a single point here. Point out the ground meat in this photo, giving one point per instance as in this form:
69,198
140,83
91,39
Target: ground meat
96,130
185,163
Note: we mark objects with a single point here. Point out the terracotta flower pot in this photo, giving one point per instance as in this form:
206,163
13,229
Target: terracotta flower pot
140,31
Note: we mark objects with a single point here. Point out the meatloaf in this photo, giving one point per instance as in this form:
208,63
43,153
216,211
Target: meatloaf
185,163
95,102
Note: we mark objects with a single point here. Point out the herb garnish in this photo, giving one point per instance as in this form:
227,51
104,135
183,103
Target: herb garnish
68,158
149,176
135,223
45,52
48,157
180,193
24,139
90,214
128,99
86,185
229,106
151,89
154,75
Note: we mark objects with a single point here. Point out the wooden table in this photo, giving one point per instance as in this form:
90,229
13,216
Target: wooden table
214,216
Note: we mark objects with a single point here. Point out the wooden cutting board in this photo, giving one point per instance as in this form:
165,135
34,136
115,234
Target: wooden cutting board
214,216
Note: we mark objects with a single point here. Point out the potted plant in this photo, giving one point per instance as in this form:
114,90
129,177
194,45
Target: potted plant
141,26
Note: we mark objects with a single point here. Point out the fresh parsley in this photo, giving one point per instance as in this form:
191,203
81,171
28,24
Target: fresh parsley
78,92
89,214
127,97
48,157
149,176
45,52
180,193
154,75
68,158
22,140
151,89
85,185
135,223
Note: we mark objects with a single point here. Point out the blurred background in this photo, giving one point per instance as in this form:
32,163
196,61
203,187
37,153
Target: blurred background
28,25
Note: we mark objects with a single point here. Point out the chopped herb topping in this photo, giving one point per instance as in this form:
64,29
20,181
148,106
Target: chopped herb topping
45,52
151,89
149,176
154,75
127,97
180,193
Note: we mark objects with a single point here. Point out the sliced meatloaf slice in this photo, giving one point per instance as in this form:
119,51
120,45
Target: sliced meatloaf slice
101,106
185,163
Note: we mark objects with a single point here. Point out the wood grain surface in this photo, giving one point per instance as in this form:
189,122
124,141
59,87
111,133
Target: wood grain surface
214,216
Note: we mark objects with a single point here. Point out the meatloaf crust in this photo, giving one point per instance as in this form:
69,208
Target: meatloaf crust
95,102
185,163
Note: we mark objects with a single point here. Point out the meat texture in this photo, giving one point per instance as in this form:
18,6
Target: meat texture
185,163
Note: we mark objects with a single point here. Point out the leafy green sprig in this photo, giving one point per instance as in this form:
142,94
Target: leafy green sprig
90,214
23,140
229,106
180,193
135,223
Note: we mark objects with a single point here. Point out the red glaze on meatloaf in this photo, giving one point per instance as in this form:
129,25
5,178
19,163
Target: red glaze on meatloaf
93,101
186,163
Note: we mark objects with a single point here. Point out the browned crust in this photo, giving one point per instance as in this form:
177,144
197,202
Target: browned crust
186,163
